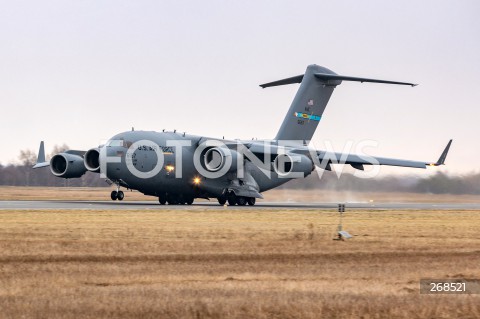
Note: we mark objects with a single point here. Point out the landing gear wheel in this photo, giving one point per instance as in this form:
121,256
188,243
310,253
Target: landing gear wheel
180,200
113,195
120,195
232,200
172,200
162,199
222,200
241,201
189,201
251,201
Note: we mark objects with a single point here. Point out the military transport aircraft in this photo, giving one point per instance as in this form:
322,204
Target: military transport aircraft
177,167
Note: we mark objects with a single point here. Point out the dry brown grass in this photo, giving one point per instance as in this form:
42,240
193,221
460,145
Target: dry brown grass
276,195
65,193
235,263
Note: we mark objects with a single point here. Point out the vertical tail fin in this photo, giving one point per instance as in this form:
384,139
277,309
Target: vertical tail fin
317,85
308,105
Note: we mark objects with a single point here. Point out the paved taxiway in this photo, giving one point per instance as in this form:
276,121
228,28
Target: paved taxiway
111,205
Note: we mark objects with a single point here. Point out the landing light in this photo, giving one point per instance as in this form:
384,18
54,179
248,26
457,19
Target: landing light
169,168
196,180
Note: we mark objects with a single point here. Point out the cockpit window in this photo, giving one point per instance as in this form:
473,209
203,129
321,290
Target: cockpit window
119,142
116,142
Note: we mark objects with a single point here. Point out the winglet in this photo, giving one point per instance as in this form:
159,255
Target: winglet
441,159
41,157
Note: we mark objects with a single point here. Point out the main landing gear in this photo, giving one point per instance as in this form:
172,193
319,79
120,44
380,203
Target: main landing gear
233,200
172,199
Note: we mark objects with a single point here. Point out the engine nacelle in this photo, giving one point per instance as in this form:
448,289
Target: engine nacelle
67,165
216,158
293,165
91,160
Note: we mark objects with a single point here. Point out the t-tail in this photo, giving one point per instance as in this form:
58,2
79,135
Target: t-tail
317,85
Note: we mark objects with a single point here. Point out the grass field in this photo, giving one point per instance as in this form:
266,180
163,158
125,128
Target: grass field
234,263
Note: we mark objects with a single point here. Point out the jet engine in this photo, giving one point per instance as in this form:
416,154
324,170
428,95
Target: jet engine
216,158
287,165
92,160
67,165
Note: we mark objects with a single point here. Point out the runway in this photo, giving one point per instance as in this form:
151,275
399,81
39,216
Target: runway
151,205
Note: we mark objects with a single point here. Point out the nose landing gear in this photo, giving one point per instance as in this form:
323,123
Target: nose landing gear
114,195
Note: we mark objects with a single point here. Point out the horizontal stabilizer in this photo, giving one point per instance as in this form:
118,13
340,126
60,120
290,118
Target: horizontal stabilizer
292,80
331,79
336,77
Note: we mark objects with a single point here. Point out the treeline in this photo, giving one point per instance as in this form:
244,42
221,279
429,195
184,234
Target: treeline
439,183
22,174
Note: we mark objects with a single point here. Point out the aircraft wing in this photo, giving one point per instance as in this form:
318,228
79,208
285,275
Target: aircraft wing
41,162
358,161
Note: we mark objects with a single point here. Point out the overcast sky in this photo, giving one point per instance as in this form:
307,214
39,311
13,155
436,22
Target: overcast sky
78,72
